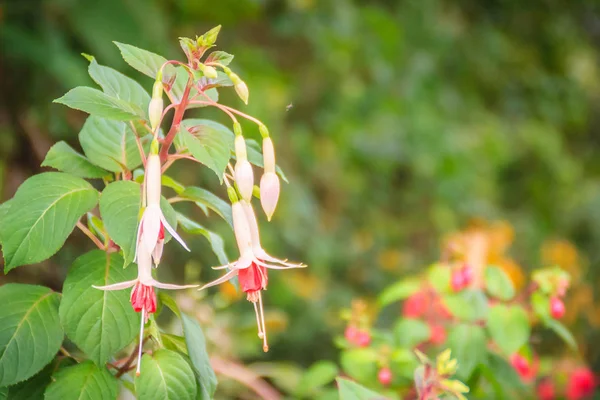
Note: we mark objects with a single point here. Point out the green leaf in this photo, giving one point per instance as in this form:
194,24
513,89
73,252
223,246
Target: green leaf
505,381
4,212
109,144
34,387
99,322
209,142
119,86
318,375
196,345
165,375
561,331
174,342
498,283
146,62
468,305
3,393
120,210
30,333
172,183
541,305
62,157
95,102
83,381
438,276
220,57
216,241
468,345
360,364
255,157
399,291
411,332
215,203
509,327
350,390
50,204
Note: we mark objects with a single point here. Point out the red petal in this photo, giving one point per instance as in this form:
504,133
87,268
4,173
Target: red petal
253,278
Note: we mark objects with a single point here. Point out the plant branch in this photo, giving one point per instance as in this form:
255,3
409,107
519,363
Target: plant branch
89,234
179,111
127,365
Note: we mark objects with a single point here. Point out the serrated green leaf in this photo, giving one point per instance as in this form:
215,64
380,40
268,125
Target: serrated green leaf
120,210
215,203
498,283
210,143
196,345
64,158
561,331
509,327
216,241
109,144
398,291
4,212
255,157
83,381
146,62
165,375
119,86
95,102
468,345
50,204
99,322
410,332
220,57
34,387
350,390
30,333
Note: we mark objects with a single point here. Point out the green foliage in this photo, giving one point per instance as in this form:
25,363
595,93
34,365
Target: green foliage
468,344
509,327
49,206
165,375
196,350
62,157
31,332
498,284
99,322
85,380
99,104
353,391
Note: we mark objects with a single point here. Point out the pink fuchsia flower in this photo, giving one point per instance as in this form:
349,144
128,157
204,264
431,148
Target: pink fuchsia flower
153,223
582,384
143,297
251,267
269,183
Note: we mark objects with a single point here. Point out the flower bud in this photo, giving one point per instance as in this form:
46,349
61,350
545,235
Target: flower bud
155,110
244,178
153,179
242,90
385,376
237,128
557,308
268,155
269,193
209,71
264,132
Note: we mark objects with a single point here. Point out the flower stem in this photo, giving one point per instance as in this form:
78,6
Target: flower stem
179,111
89,234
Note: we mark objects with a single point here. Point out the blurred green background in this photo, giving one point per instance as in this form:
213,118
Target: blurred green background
407,120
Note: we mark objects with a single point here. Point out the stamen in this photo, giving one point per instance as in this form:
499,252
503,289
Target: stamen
258,324
262,316
139,364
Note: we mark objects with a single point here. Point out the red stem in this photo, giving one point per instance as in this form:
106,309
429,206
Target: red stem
179,111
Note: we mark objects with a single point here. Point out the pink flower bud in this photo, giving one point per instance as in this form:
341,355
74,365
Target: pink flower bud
268,155
241,229
557,308
269,193
153,180
244,177
385,376
155,110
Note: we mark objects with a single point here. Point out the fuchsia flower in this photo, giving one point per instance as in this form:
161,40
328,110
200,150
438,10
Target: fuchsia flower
251,267
153,223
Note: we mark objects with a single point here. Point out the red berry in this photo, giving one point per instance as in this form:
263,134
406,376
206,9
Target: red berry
557,308
581,384
545,390
351,333
415,305
385,376
467,273
521,365
458,281
363,339
438,334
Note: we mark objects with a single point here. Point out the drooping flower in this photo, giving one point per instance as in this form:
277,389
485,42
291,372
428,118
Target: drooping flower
269,183
153,223
251,267
143,297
